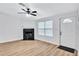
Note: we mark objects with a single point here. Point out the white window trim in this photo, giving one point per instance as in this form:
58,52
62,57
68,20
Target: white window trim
45,29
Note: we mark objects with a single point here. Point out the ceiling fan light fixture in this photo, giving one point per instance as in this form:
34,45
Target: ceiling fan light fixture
28,15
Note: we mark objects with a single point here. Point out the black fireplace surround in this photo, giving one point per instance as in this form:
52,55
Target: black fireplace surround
28,34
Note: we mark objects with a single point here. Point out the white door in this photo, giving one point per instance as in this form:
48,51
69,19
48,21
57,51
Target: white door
68,32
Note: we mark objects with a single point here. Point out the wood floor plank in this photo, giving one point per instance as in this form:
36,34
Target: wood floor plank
31,48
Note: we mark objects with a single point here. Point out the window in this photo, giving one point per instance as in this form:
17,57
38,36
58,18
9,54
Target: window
45,28
41,28
48,28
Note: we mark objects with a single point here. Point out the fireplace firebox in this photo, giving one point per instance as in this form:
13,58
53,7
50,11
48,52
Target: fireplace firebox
28,34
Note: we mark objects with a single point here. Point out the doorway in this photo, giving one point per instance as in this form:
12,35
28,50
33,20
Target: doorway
67,31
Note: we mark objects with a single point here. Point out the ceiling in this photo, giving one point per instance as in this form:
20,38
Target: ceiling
44,9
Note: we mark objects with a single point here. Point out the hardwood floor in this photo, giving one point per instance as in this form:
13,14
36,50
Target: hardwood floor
31,48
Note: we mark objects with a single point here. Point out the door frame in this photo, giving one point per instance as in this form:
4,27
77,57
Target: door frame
60,32
73,14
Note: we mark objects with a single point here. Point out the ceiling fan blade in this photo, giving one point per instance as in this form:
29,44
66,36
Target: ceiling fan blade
22,4
24,10
33,14
34,11
21,13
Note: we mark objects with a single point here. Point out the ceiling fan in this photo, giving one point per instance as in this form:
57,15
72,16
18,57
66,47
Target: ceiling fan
27,10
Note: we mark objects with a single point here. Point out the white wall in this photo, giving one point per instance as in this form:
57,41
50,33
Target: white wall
11,28
77,31
77,34
56,28
26,24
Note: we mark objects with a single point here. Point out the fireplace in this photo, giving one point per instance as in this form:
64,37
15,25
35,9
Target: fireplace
28,34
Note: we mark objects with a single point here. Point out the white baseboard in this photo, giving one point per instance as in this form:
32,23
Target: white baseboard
49,42
36,39
9,40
